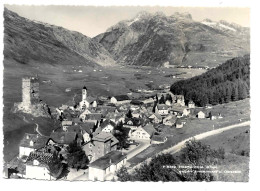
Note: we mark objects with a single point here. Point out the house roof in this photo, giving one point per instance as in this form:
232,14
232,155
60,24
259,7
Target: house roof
88,124
43,158
38,141
162,107
178,122
191,102
63,137
179,109
113,157
102,137
149,129
63,123
114,141
94,116
121,97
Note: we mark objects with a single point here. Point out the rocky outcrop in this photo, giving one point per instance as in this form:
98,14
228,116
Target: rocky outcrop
40,109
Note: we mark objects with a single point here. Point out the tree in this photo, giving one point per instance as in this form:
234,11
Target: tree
121,134
129,114
76,156
162,101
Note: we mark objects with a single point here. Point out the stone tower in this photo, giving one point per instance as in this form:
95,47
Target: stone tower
30,90
84,93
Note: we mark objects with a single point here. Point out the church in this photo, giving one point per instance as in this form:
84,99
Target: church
86,101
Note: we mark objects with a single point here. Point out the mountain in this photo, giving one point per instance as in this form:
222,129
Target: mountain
228,82
155,39
28,41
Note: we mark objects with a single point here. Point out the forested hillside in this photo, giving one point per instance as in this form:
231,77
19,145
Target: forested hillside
228,82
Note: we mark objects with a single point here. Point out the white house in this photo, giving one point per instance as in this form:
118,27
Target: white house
201,115
30,143
162,109
120,99
105,167
144,133
107,126
191,104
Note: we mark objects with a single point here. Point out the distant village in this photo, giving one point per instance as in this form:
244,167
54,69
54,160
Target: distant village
93,124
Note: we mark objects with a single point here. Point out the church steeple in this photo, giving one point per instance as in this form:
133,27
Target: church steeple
84,93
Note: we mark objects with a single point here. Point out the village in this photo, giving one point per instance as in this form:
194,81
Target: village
108,130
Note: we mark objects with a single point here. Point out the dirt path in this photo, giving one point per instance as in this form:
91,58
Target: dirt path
37,129
176,148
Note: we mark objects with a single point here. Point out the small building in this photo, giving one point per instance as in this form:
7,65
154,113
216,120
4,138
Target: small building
105,167
180,100
65,125
162,109
120,99
107,126
208,106
30,143
201,115
179,124
158,139
156,118
191,104
170,120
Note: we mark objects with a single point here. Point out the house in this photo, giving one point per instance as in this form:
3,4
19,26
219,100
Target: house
213,115
162,109
100,145
180,100
84,113
63,138
158,139
170,122
37,166
179,124
136,114
106,166
144,133
183,111
94,116
191,104
107,126
156,118
30,143
201,115
65,125
148,102
208,106
120,99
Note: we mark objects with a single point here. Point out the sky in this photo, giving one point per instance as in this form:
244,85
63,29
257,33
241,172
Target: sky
91,20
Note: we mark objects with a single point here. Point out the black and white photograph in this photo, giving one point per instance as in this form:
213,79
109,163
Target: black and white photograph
126,93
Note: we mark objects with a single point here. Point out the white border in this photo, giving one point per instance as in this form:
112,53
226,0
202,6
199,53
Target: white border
254,159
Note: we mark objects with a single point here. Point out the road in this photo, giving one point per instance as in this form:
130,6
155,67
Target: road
176,148
142,145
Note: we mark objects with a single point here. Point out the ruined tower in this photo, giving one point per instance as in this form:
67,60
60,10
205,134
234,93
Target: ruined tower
30,90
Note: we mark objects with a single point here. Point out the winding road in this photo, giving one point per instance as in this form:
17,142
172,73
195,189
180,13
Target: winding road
176,148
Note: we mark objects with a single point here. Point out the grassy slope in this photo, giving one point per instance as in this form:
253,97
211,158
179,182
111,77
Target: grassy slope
234,142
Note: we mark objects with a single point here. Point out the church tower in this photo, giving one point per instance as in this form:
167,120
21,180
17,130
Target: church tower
84,93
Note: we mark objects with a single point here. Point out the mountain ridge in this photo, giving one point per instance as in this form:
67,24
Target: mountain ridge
154,39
